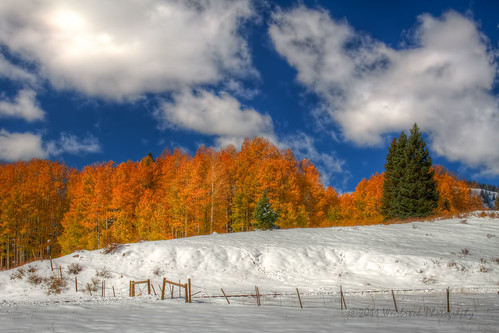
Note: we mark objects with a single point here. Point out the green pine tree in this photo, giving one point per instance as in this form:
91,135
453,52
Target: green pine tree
394,169
496,206
411,190
265,215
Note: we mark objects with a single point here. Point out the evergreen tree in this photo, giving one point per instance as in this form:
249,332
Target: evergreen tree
411,190
394,169
265,215
496,206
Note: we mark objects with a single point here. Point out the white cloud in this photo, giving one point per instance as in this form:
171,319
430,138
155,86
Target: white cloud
26,146
24,105
70,144
443,81
120,49
328,165
20,146
14,72
222,116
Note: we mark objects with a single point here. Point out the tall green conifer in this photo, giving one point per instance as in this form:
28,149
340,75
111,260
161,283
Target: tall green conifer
409,189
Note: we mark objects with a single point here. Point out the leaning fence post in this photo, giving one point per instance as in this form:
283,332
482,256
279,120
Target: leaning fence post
60,271
394,302
153,289
342,301
114,294
299,298
226,298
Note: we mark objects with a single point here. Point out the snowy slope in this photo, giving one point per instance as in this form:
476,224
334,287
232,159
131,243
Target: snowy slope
456,253
488,197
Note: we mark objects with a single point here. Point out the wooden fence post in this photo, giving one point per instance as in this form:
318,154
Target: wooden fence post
186,293
149,286
343,303
130,289
226,298
258,296
163,290
190,293
76,283
394,302
133,288
103,288
51,264
60,271
114,294
299,298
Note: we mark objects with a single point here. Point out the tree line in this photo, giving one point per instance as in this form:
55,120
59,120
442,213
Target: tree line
48,209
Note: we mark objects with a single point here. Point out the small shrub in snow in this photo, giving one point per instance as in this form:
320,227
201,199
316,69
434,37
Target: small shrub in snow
490,235
34,279
74,268
464,222
483,260
451,263
484,269
496,260
420,271
429,279
31,269
95,282
464,253
104,273
157,271
89,288
18,274
112,248
55,285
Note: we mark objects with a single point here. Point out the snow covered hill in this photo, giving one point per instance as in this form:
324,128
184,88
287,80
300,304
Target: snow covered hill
488,197
456,253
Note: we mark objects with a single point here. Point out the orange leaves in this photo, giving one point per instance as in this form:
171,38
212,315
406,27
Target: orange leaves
454,194
363,205
179,195
32,203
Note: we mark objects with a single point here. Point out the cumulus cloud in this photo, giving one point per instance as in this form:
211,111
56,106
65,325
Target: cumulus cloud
24,105
121,49
26,146
443,81
20,146
220,115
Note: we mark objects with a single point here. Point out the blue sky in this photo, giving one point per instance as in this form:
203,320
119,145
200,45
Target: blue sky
91,81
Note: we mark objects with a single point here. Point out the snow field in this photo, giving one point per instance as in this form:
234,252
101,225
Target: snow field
422,257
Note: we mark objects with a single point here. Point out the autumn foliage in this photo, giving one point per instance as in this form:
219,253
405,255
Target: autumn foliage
47,208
